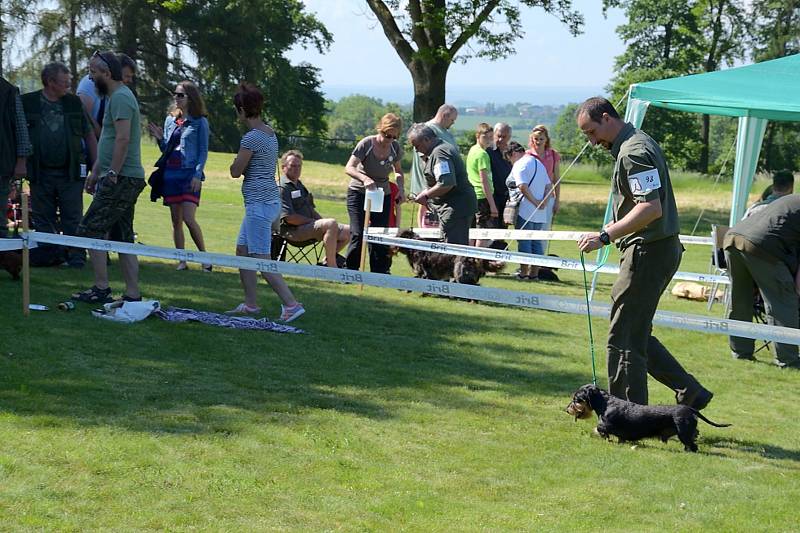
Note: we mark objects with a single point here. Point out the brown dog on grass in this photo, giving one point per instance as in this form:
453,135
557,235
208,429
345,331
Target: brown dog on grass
11,260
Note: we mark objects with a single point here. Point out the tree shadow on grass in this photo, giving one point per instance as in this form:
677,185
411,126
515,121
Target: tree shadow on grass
366,353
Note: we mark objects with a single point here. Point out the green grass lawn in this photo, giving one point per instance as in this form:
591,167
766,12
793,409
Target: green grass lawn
393,412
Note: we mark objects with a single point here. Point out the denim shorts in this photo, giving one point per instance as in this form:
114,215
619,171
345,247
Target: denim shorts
530,247
256,231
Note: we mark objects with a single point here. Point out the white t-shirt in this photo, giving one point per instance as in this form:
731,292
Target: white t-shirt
531,172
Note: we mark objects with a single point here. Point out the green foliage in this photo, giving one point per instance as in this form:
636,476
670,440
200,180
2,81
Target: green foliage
355,116
569,140
256,35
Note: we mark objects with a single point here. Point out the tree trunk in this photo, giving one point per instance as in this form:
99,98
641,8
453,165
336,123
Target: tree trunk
2,40
430,80
705,127
73,47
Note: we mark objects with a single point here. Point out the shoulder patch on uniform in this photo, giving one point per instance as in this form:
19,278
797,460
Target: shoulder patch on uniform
442,167
642,183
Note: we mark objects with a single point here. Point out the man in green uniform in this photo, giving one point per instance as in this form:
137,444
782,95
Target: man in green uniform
57,123
449,190
645,227
763,249
441,123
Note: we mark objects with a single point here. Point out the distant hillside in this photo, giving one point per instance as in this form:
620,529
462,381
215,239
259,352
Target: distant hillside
522,117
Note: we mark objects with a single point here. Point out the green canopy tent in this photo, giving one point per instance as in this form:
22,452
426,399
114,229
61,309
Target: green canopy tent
755,93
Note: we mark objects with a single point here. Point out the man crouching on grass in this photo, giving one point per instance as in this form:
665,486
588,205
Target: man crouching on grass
117,179
645,228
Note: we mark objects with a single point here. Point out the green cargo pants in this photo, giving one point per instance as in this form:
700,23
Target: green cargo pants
776,283
633,352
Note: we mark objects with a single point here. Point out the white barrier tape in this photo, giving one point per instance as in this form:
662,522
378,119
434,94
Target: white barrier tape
486,294
525,259
10,244
517,234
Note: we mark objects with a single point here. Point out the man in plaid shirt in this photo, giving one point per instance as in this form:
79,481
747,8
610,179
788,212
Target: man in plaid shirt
15,145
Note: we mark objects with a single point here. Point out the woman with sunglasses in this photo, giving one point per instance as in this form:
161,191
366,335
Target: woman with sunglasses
184,146
369,166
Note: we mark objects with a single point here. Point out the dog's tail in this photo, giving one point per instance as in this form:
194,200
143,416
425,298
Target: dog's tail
707,421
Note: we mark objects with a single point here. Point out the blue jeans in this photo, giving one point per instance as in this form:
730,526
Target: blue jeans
530,247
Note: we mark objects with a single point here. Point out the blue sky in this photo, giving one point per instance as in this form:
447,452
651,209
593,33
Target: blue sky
548,61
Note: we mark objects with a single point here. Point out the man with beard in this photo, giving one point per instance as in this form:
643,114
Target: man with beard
645,227
117,179
94,104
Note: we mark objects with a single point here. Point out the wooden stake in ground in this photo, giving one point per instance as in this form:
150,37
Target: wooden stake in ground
364,238
26,259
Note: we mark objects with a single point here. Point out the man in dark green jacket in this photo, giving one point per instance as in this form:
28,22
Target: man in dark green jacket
57,123
14,145
764,249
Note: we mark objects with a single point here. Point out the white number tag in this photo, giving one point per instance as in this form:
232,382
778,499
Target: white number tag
642,183
442,168
297,193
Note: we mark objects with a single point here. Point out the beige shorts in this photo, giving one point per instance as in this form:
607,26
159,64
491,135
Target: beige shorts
306,232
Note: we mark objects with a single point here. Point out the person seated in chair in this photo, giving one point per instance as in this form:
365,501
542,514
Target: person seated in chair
300,220
782,184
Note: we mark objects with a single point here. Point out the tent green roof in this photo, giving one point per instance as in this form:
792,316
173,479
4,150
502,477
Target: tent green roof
768,90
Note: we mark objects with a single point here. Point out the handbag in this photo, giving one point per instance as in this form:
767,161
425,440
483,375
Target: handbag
156,179
511,210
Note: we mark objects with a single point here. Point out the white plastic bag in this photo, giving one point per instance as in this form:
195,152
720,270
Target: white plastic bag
127,312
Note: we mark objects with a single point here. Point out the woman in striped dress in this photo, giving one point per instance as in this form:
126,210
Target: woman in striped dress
257,160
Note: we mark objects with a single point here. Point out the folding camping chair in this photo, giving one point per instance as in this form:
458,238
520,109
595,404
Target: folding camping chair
311,251
719,266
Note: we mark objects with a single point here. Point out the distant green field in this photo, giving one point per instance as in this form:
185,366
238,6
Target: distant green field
520,127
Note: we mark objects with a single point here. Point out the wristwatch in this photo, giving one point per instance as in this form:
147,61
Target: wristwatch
605,238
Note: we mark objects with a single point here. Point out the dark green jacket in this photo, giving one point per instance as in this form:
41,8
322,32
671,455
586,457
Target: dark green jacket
74,126
8,132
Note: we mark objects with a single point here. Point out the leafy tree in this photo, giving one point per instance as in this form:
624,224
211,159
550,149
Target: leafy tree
13,15
355,116
722,23
568,139
429,35
774,34
66,33
673,38
247,40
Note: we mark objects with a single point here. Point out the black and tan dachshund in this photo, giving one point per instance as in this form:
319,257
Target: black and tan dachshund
629,421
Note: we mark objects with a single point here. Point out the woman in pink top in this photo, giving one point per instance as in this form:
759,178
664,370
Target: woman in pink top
539,142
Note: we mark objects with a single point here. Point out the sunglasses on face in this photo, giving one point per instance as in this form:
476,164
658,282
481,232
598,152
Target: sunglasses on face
179,95
389,136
